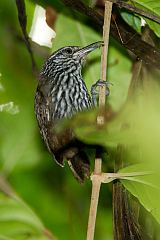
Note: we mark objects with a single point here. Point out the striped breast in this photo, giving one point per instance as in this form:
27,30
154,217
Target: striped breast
69,95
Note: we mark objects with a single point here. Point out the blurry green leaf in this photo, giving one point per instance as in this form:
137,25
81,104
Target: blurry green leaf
132,20
18,221
60,199
136,125
154,26
146,188
152,6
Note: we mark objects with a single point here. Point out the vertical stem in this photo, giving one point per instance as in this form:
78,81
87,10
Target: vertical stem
96,183
106,28
102,89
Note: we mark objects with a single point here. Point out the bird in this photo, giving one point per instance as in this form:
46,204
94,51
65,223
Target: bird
61,93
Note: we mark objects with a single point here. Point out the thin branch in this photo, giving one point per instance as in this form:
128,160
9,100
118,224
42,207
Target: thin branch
131,8
23,23
96,183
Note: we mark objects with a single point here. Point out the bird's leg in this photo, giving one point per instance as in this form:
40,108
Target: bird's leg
95,92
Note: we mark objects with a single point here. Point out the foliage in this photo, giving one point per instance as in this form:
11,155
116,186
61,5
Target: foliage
58,202
145,187
18,221
135,21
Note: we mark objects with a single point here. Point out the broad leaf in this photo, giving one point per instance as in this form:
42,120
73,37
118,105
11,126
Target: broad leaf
146,187
132,20
153,6
18,221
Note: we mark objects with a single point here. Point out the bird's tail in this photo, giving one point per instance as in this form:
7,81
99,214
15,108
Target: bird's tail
80,166
77,160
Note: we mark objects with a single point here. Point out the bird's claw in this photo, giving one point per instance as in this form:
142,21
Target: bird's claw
95,92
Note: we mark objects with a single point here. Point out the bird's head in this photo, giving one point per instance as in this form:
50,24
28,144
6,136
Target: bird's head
68,59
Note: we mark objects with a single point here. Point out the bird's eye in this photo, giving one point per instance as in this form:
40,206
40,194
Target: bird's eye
69,51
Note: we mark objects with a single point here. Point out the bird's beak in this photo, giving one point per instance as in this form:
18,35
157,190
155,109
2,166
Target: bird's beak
82,52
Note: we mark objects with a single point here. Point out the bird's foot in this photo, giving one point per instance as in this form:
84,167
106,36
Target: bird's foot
95,92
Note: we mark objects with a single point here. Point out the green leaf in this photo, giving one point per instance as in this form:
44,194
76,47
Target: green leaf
153,6
18,221
132,20
150,5
127,127
154,26
146,188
